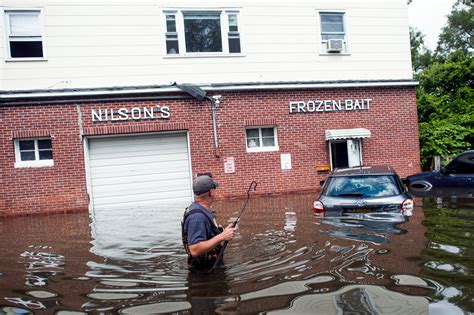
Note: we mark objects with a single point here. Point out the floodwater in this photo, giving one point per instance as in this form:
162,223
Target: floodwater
283,260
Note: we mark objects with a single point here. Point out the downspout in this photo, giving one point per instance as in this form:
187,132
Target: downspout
215,102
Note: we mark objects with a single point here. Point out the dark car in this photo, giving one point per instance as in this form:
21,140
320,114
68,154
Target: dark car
365,192
457,177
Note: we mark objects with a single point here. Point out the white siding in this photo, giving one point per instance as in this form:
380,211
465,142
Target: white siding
121,43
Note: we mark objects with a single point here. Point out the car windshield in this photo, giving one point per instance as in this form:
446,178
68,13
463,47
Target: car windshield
362,186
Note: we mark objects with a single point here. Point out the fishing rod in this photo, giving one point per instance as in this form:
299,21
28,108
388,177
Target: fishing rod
221,253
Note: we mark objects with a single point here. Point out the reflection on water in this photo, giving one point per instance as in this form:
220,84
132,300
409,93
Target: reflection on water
282,260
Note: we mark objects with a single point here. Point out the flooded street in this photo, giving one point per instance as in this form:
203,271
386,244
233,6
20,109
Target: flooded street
283,260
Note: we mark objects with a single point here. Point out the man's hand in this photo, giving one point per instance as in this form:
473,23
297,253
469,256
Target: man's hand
228,233
205,246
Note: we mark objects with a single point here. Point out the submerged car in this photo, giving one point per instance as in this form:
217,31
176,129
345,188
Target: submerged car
365,192
457,177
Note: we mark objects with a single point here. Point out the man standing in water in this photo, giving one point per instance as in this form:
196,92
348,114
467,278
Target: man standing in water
202,237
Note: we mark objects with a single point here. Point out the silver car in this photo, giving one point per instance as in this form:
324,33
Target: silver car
365,192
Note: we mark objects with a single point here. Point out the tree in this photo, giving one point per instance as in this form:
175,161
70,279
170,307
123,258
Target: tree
458,33
445,101
445,96
421,57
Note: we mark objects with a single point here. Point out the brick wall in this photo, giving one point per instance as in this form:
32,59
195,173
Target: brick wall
392,120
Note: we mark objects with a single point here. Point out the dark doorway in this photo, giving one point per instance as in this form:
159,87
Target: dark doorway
339,154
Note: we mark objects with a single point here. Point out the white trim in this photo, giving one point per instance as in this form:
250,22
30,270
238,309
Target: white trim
40,163
262,148
322,43
6,23
209,88
85,143
188,143
223,13
32,163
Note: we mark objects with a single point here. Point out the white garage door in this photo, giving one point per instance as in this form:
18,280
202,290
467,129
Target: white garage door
139,171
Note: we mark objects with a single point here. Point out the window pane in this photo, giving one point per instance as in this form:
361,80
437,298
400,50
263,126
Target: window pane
268,142
170,23
234,45
46,155
252,133
267,132
253,142
27,156
233,26
202,33
44,144
27,145
26,49
22,24
331,23
172,47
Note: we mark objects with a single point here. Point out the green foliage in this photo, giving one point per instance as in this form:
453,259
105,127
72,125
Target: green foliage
445,95
458,33
420,56
445,100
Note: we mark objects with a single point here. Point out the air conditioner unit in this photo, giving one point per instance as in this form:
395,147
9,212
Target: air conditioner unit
335,45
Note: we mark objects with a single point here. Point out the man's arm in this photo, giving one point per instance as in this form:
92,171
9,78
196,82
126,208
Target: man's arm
203,247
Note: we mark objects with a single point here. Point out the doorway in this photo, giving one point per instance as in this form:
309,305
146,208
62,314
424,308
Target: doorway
345,153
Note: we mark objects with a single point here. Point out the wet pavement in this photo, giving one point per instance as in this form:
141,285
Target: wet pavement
283,260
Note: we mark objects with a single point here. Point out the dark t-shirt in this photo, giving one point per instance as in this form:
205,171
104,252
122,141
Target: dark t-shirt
197,226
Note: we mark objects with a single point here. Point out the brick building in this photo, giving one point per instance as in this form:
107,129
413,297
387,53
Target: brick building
280,98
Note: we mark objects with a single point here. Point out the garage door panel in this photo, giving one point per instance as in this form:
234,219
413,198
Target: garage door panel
140,169
139,152
130,146
138,188
137,171
143,159
146,177
145,199
122,143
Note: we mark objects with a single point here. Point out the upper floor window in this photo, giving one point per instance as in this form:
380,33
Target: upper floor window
261,139
333,32
33,152
24,34
202,32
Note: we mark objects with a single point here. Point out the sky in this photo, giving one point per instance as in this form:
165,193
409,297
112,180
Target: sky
429,16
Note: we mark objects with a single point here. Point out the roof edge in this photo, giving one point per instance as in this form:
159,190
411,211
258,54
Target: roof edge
162,89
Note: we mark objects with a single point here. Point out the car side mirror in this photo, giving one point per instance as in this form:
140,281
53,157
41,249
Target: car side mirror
443,170
321,183
404,181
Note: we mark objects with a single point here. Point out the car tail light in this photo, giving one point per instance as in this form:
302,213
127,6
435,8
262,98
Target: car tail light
407,207
318,208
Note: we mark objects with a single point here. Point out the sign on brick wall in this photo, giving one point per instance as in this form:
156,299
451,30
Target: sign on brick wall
320,106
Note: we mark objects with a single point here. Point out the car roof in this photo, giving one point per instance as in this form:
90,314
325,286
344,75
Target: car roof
363,170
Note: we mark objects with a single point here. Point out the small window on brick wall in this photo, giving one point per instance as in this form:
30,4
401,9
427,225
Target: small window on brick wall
261,139
33,152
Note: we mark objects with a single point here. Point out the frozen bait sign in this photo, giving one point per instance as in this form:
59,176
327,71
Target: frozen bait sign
134,113
320,106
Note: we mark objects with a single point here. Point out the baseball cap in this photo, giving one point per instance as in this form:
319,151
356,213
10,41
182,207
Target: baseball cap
202,184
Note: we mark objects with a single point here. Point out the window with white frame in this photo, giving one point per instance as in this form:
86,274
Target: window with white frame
33,152
261,139
25,39
333,32
204,32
